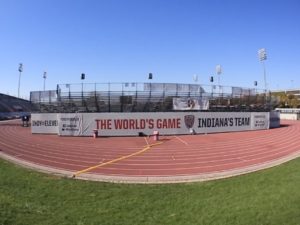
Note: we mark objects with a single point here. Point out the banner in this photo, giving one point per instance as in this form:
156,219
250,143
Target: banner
70,124
189,103
260,120
131,124
44,123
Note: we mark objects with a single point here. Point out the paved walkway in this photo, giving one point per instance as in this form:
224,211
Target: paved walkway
172,159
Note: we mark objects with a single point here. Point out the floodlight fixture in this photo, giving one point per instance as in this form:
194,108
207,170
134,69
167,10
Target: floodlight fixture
150,77
262,54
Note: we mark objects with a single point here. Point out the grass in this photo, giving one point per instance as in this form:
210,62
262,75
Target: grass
268,197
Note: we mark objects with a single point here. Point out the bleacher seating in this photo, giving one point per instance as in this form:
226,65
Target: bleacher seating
146,97
12,107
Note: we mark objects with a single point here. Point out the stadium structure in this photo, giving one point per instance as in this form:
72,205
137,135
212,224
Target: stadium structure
12,107
131,109
149,97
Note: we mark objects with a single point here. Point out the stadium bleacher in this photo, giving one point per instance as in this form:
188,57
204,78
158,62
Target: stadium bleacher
148,97
12,107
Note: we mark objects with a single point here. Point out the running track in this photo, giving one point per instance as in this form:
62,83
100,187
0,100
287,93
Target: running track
142,160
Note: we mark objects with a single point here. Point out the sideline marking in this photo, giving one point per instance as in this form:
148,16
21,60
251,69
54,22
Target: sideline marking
184,142
147,147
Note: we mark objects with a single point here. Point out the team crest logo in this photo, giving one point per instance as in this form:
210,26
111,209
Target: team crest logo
189,121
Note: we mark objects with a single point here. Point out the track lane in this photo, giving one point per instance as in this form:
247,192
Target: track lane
178,156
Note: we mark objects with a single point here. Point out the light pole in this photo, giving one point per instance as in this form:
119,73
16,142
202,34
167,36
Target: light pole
211,79
262,57
20,70
82,78
255,85
255,90
150,77
45,77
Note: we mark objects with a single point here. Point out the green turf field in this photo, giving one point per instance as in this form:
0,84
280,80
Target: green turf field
267,197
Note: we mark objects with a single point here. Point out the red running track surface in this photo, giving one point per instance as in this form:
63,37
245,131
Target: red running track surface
173,159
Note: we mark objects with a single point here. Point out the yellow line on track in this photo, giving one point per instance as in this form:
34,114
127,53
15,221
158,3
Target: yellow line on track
147,147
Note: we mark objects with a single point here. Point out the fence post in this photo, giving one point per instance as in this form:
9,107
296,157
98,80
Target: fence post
108,97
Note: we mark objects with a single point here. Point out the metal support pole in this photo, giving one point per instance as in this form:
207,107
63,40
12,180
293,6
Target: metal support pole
262,57
108,97
19,84
20,70
45,76
69,92
265,76
265,80
81,94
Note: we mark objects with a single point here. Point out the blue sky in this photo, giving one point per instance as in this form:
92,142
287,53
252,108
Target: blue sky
124,40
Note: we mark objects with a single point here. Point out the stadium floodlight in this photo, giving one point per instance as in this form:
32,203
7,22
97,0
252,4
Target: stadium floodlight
45,77
262,54
20,70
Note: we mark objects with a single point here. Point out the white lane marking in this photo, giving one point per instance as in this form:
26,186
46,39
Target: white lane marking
184,142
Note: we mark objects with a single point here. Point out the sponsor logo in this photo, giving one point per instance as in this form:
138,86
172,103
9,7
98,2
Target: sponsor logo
189,121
